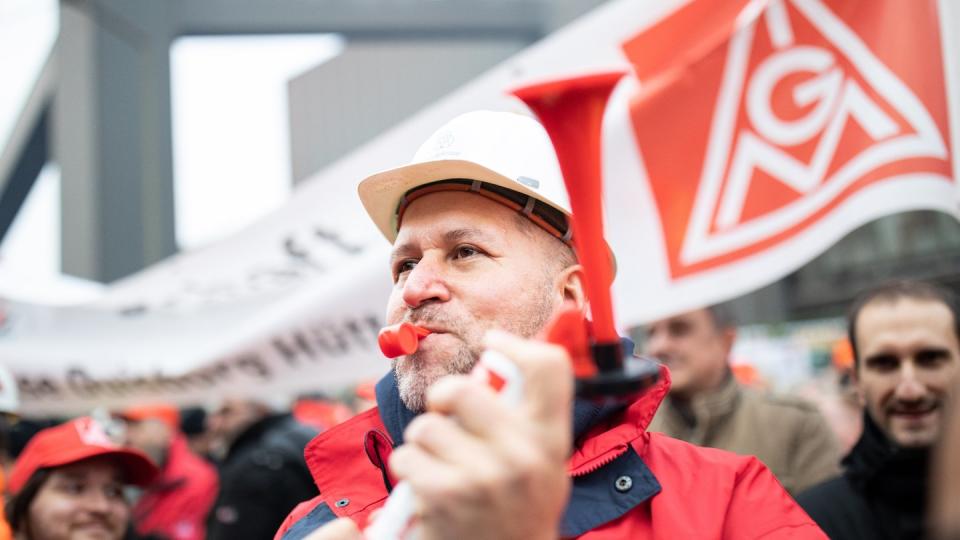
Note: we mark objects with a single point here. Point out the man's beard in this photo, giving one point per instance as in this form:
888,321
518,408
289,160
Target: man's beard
415,373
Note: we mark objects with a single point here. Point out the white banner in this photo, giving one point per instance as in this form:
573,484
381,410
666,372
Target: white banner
317,335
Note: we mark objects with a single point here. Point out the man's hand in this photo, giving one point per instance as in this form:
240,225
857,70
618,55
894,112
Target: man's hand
338,529
483,469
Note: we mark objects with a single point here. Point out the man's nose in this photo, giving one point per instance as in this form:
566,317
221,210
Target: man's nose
909,386
425,283
96,500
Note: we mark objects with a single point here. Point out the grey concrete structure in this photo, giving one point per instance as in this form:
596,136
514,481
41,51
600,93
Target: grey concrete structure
112,137
111,119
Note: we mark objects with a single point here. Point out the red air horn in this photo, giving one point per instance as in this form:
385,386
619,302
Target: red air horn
571,110
400,339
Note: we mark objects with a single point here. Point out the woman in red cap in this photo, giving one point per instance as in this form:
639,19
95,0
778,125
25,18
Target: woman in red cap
68,484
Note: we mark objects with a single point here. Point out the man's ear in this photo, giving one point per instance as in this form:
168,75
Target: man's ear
855,383
729,336
570,286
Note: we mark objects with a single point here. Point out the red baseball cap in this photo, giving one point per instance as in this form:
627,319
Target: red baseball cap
77,440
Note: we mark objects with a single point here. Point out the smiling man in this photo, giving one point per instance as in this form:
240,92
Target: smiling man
481,243
906,342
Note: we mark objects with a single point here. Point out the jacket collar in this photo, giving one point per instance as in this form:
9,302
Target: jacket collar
393,413
596,440
879,466
589,419
607,440
705,410
721,402
173,472
396,416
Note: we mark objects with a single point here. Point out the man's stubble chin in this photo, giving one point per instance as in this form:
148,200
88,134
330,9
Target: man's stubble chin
416,372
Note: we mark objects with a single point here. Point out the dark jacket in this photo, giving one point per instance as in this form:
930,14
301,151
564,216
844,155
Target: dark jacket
262,478
627,483
881,494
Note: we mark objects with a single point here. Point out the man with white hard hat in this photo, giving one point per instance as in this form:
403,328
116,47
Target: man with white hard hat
482,258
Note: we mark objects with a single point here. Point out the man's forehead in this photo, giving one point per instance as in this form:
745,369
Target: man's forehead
906,312
685,317
905,319
445,213
414,242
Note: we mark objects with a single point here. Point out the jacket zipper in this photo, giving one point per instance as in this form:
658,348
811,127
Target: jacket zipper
609,457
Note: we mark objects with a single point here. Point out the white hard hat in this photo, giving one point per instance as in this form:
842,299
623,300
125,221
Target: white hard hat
9,394
480,151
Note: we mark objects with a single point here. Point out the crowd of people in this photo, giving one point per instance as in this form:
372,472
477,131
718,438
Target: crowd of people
483,258
156,472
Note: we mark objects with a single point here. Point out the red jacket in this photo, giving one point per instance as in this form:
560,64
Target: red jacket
5,533
627,483
176,505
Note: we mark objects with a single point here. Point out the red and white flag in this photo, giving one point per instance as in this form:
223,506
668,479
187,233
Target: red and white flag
764,131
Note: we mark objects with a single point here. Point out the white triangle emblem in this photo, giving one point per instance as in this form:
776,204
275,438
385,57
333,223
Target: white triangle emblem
832,99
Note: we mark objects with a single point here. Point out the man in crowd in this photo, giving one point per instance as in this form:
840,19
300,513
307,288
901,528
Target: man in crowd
69,483
708,407
945,507
906,343
481,241
262,475
193,425
177,504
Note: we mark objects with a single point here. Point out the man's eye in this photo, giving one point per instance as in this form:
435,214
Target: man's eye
72,488
405,266
114,491
932,357
883,362
463,252
679,329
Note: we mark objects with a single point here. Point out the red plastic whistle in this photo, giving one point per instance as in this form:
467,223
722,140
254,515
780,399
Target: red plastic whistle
400,339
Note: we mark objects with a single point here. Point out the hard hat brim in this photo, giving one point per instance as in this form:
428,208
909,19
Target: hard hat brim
382,192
